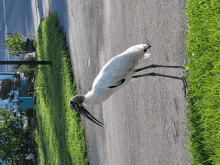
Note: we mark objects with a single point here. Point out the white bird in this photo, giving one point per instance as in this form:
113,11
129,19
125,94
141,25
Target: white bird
113,76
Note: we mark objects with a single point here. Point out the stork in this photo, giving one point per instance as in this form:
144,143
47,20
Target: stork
115,74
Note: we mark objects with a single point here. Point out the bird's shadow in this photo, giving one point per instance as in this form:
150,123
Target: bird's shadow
162,75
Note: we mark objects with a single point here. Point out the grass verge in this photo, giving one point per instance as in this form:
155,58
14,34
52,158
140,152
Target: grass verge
59,134
203,51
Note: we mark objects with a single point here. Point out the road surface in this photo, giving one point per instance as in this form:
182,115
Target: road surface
145,121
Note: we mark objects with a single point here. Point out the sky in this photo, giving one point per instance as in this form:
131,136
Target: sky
15,16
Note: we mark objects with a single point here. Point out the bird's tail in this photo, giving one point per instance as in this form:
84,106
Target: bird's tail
147,55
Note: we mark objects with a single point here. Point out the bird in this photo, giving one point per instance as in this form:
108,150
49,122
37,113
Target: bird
115,74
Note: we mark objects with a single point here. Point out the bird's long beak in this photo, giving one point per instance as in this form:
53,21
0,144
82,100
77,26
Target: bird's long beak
88,115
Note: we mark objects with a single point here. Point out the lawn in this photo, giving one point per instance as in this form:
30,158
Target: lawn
59,133
203,51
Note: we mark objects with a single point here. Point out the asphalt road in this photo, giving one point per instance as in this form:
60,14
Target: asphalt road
145,121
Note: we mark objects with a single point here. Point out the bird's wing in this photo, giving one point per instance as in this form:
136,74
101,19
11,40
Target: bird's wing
114,72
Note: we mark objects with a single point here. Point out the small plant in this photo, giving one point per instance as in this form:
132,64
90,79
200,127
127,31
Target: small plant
26,69
15,44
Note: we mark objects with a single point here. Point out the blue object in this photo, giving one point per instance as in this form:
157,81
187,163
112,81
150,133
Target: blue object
25,102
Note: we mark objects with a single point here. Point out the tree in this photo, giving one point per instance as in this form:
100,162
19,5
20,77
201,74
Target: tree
4,96
6,86
15,143
15,44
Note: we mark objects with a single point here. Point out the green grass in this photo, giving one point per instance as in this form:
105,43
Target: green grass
203,51
59,134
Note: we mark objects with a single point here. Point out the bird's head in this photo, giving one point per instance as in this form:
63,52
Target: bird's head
146,47
76,104
140,47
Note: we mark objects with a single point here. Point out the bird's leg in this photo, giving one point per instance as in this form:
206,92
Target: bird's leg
157,74
162,75
155,66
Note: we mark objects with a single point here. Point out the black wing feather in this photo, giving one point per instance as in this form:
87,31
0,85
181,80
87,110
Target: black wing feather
119,83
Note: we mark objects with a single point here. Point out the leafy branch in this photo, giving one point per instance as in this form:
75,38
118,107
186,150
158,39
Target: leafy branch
15,44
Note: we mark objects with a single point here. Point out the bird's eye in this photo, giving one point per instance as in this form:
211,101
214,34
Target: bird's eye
75,105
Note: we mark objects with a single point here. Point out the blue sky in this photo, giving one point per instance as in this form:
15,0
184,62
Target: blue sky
15,16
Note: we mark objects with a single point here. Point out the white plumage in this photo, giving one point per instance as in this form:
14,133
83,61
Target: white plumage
113,76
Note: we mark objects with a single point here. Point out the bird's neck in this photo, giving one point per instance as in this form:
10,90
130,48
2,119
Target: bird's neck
95,97
89,97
